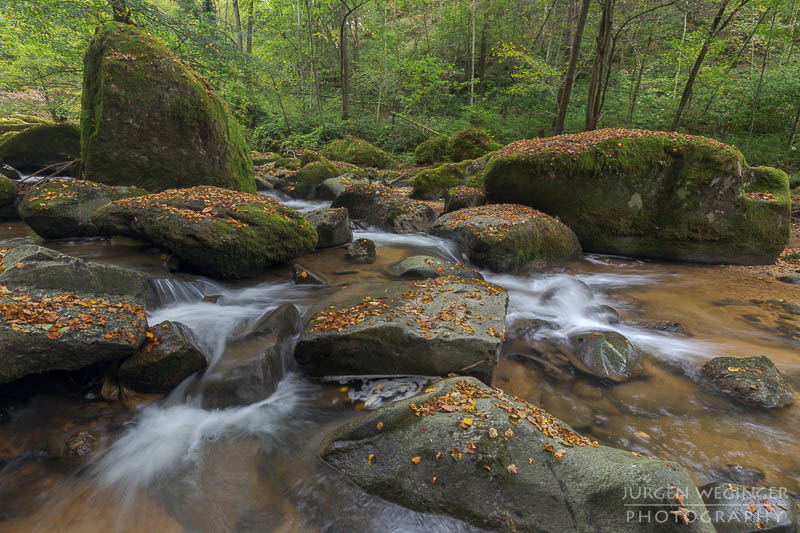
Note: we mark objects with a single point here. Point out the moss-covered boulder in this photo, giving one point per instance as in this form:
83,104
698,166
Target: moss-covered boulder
430,327
463,196
148,120
385,208
167,357
216,232
331,188
433,150
8,199
357,152
42,145
310,177
469,451
63,313
431,184
60,209
509,238
16,122
649,194
470,144
753,381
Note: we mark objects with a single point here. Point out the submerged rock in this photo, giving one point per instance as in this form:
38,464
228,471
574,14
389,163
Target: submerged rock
167,358
361,251
42,145
605,354
61,209
429,327
149,120
357,152
462,196
649,194
217,232
753,381
740,509
62,313
423,266
466,450
302,276
386,208
509,238
332,225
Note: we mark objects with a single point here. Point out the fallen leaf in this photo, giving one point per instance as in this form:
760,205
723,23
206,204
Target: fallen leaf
416,460
512,468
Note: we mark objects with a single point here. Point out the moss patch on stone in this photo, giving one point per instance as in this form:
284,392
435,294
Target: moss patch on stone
433,150
357,152
470,144
148,119
42,145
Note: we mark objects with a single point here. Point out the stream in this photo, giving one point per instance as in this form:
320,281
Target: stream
235,449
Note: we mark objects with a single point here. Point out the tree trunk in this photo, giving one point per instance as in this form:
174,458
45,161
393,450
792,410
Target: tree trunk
599,66
572,68
344,64
482,58
250,19
120,11
238,19
638,84
716,26
761,76
794,127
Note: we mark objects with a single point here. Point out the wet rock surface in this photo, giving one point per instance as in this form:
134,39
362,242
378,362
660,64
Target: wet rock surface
509,237
62,313
385,208
605,354
332,225
429,327
361,251
741,509
423,266
469,451
753,381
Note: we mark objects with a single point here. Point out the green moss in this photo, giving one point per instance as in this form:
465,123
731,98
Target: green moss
434,182
433,150
8,191
288,163
42,145
309,156
470,144
357,152
160,126
663,196
311,176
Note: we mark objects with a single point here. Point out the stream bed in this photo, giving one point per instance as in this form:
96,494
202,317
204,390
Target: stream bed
193,461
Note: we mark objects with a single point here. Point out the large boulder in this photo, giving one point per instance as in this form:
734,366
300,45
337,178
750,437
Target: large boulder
753,381
433,150
746,509
8,199
167,358
430,327
62,313
509,238
60,209
310,177
386,208
332,225
216,232
148,120
471,144
357,152
434,183
42,145
331,188
472,452
649,194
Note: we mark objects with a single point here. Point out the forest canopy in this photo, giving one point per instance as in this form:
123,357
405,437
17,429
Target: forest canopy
299,73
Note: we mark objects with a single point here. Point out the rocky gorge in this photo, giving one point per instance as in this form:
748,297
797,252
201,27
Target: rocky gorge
376,353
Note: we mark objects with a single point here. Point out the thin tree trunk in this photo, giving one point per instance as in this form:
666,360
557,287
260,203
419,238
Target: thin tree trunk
719,24
680,56
472,59
761,76
571,69
238,19
344,65
794,127
599,66
314,67
250,20
482,58
638,84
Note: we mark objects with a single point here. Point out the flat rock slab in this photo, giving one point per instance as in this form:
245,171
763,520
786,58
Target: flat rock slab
509,237
62,313
423,266
429,327
469,451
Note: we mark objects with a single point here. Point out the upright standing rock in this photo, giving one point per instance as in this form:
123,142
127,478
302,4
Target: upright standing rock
148,120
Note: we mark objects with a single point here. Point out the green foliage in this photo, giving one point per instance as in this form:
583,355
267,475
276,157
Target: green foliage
433,150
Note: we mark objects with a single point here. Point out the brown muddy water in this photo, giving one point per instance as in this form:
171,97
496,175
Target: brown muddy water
181,463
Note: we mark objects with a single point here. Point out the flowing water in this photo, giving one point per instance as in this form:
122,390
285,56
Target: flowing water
235,449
